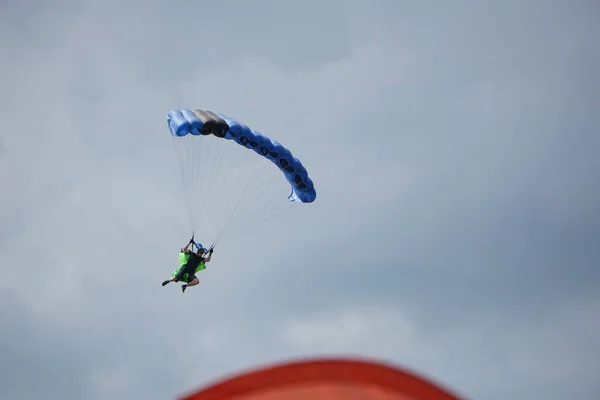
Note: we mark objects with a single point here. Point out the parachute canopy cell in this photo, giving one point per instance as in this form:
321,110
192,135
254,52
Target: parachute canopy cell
183,122
325,379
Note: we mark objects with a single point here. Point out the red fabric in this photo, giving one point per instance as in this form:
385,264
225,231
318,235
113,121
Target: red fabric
336,379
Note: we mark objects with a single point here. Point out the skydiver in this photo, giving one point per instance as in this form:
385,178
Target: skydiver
189,264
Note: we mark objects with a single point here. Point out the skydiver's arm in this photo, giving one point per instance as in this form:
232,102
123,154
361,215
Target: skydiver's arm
186,249
207,259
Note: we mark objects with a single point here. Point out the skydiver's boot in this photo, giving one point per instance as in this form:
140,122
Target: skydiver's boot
183,287
166,282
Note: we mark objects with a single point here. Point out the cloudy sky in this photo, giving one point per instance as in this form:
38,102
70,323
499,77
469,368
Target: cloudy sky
453,146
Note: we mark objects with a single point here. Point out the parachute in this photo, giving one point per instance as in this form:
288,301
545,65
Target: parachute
228,186
324,379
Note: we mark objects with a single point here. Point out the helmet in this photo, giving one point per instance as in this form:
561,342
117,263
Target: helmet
199,247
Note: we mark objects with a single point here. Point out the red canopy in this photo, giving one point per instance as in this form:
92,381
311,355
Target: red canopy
324,379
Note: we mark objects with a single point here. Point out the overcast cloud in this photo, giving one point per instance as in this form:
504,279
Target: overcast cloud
454,149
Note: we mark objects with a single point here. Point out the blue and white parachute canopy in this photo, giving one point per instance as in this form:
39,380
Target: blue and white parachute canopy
202,123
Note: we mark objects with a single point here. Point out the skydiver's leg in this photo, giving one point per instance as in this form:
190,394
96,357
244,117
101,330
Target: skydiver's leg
193,282
175,278
171,279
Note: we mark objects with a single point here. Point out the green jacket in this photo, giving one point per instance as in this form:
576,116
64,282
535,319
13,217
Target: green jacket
183,259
